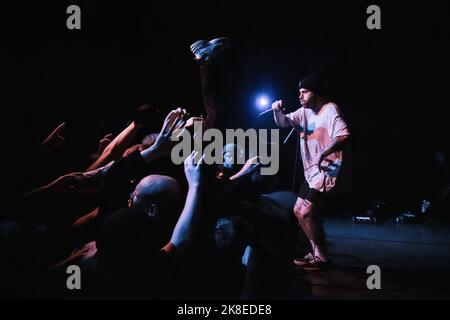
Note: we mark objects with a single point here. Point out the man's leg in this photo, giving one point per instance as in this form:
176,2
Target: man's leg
206,54
308,215
210,92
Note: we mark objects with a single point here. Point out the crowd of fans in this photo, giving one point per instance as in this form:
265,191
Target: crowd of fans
136,232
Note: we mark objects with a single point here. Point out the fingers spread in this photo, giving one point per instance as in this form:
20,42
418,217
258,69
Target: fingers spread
200,161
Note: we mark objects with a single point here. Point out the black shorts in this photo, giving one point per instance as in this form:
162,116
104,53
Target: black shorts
309,194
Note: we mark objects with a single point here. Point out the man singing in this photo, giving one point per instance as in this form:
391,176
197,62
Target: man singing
323,136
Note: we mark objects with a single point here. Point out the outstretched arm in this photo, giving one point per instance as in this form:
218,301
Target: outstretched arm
54,141
249,167
173,121
20,206
92,181
117,147
187,222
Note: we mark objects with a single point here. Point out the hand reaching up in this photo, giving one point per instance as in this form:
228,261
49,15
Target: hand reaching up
104,142
192,169
174,120
54,140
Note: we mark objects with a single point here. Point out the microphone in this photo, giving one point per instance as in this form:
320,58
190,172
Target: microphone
264,112
290,133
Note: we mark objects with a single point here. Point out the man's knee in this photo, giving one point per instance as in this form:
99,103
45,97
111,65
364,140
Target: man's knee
306,210
298,207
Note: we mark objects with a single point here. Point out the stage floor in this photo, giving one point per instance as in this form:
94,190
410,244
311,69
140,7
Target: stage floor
414,260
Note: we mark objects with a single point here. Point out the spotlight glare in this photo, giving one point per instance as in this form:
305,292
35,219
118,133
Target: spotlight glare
262,102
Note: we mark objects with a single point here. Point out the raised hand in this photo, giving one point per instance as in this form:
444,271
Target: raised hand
277,105
190,122
174,121
104,142
54,140
192,169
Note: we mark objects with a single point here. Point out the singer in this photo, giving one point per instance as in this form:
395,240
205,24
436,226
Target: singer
323,139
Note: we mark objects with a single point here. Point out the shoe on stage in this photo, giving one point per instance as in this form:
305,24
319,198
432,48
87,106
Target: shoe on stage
312,263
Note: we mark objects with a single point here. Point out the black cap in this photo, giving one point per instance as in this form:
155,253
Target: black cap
315,83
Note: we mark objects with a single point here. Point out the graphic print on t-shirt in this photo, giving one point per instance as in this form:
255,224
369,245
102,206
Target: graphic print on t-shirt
322,129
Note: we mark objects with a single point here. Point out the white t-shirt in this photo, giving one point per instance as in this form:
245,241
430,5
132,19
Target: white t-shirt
321,130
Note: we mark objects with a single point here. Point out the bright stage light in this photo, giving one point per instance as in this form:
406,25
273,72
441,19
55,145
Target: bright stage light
262,102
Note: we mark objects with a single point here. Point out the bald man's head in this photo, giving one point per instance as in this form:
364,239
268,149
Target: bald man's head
156,194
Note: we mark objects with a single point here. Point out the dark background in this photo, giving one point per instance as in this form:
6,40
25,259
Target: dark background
391,83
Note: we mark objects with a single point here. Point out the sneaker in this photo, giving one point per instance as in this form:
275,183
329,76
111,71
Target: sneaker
204,51
316,264
305,260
